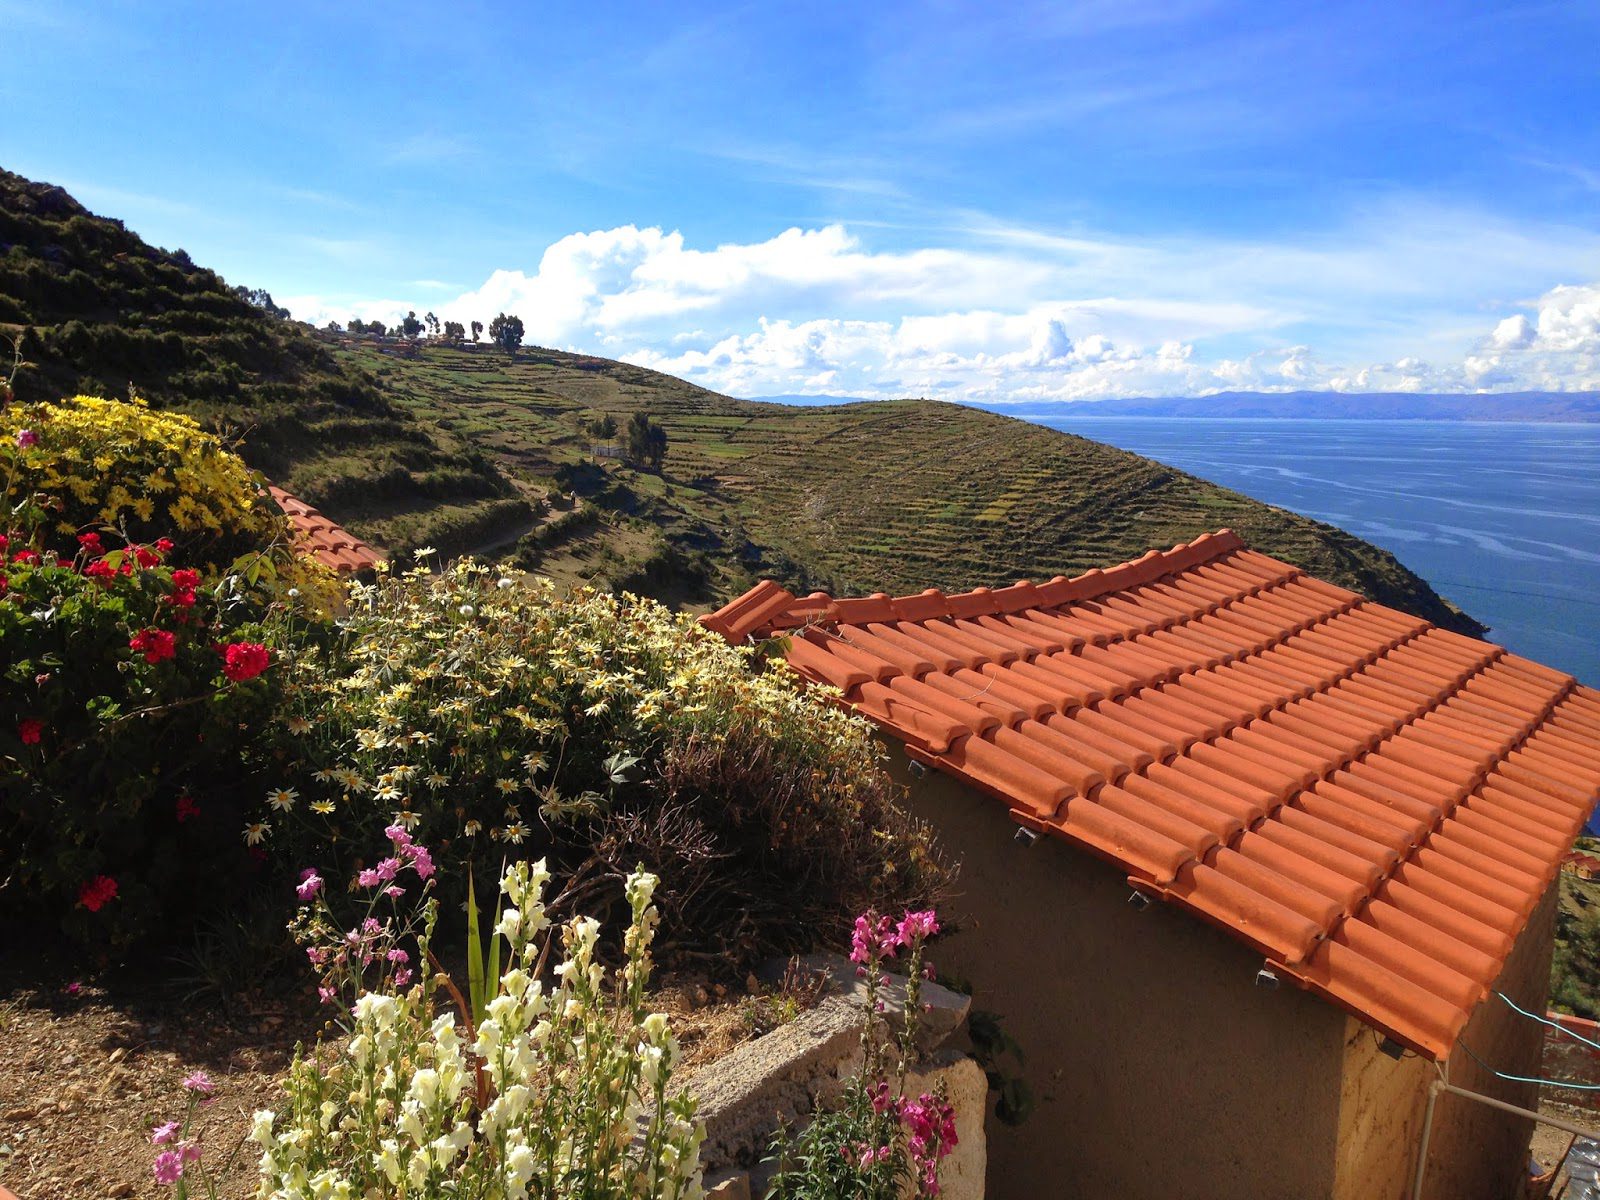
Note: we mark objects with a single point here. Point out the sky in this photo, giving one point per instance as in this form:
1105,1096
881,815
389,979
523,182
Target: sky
994,202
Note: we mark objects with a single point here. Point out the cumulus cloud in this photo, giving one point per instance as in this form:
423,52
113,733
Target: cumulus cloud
1019,316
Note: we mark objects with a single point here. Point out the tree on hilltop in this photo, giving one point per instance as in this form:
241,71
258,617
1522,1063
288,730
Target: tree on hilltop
647,440
477,330
506,332
433,325
454,331
410,327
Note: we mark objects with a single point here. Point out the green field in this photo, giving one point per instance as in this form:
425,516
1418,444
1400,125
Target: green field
894,496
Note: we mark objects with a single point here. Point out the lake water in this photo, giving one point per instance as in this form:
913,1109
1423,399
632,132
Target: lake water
1502,518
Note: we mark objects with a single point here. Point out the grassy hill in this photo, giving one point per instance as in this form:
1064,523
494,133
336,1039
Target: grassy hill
96,309
892,496
468,450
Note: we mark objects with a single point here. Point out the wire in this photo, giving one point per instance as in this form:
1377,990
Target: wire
1555,1083
1546,1021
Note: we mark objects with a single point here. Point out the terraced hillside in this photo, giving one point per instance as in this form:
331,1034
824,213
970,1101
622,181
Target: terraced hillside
94,308
893,496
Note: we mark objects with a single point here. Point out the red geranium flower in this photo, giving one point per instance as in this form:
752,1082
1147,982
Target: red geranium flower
25,556
91,543
98,892
4,541
245,660
187,808
185,579
164,545
100,569
157,645
30,730
145,556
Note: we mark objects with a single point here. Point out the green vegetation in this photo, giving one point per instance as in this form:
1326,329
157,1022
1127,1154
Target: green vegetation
1575,969
896,496
92,308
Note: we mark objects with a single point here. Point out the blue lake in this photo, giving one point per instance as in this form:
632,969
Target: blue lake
1502,518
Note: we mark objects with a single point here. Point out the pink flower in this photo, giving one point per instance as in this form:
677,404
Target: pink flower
394,891
310,884
402,977
169,1167
163,1134
916,927
200,1084
74,988
421,861
874,938
26,438
190,1151
369,878
398,955
388,869
327,995
398,835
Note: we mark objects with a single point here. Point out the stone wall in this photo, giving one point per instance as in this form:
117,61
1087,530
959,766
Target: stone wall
800,1067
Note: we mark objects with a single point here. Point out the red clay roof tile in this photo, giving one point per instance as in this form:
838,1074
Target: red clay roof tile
329,544
1374,803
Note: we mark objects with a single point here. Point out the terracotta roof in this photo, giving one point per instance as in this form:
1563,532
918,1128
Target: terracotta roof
331,545
1374,803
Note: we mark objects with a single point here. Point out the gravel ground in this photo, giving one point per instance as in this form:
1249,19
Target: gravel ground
90,1071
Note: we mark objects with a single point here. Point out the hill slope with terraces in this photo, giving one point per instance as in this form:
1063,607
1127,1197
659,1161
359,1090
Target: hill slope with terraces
94,308
894,496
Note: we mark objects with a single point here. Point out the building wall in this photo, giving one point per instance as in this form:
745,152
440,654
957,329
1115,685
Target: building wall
1475,1152
1159,1068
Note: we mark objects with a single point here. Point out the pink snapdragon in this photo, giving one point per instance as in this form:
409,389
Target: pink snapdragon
916,927
874,939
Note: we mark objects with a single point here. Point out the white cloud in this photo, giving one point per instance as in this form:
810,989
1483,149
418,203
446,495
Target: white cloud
1391,301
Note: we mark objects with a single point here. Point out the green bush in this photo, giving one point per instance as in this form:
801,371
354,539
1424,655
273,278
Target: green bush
497,719
128,686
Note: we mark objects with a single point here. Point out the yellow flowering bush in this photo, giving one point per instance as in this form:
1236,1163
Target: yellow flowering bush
89,463
500,718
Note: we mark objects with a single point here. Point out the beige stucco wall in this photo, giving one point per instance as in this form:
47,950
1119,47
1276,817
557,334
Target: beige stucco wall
1475,1152
1160,1069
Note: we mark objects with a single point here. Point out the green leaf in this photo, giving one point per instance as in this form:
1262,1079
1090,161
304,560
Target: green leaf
475,994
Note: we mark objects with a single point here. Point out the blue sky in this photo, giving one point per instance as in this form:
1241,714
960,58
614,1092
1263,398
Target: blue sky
976,201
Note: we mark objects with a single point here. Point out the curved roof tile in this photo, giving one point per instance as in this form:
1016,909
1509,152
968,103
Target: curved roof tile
1373,803
331,545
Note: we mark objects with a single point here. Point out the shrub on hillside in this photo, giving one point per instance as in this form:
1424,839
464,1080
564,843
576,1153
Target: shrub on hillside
90,464
127,685
498,719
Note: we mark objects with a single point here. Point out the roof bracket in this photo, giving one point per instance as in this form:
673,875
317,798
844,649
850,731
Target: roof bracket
1138,900
1392,1048
1028,837
1266,977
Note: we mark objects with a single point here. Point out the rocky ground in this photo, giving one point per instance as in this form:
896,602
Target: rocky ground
90,1068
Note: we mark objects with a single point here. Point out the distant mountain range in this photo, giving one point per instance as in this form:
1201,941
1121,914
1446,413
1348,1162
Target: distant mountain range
1343,406
1388,406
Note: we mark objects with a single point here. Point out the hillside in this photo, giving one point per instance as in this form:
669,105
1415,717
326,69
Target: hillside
469,451
1383,406
896,495
96,309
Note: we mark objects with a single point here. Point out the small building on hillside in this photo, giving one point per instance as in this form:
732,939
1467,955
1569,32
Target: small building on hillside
1584,866
1247,863
330,544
